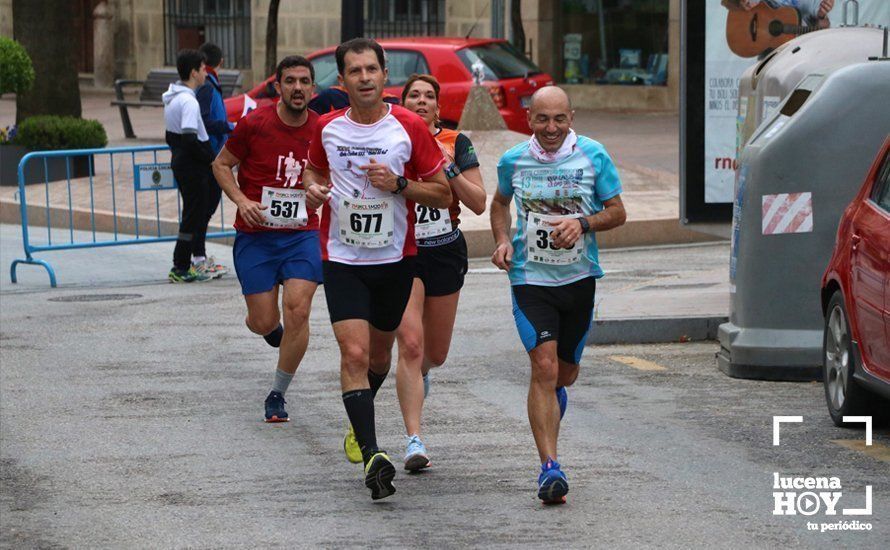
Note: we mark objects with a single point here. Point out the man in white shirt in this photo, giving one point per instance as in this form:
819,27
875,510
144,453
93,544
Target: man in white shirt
191,155
366,164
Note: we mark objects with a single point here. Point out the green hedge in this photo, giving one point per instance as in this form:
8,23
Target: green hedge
16,70
39,133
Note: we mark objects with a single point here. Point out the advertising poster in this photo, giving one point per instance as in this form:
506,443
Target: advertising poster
738,33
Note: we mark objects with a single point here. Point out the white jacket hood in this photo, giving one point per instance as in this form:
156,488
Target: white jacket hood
175,89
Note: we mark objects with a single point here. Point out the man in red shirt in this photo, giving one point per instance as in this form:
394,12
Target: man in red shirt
277,236
366,164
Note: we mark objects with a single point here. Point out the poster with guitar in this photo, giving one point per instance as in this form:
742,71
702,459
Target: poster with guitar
738,33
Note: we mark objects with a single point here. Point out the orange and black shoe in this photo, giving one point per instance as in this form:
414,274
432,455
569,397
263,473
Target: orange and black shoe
275,408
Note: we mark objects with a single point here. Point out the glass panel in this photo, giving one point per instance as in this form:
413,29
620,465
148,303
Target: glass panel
402,64
614,41
500,59
325,71
882,188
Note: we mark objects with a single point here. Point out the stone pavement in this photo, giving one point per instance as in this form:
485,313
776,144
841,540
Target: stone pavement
657,304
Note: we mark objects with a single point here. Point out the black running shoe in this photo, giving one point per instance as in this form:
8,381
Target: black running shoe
379,473
275,408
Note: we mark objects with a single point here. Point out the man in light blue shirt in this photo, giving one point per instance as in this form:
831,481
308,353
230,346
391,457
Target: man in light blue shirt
565,188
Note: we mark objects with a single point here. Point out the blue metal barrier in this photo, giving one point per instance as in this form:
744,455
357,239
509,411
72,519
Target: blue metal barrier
111,182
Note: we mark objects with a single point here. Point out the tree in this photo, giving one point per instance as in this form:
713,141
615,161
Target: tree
272,37
516,23
44,28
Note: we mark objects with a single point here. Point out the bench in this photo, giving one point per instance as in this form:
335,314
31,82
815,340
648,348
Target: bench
157,82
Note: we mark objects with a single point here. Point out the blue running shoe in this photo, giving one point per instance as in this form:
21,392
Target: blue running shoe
415,456
563,397
275,408
552,483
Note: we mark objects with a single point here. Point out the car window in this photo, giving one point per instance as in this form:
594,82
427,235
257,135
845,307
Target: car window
402,64
499,59
325,71
881,192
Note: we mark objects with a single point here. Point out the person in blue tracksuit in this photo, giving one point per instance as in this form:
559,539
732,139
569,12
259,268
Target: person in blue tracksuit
213,113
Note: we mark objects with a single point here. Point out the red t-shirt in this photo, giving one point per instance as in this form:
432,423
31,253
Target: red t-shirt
401,141
271,154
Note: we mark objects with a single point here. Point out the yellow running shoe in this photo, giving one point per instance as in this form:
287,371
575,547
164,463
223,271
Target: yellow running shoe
379,473
351,448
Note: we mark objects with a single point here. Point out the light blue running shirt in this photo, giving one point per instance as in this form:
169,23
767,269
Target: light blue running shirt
577,185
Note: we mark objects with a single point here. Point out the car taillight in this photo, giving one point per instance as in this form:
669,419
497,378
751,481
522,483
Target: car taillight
497,95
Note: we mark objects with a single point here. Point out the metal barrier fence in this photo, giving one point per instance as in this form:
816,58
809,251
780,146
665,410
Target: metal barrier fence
127,192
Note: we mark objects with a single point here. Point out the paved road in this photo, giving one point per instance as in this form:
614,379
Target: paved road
136,422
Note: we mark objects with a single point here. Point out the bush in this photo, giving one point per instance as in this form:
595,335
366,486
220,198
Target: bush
43,132
16,70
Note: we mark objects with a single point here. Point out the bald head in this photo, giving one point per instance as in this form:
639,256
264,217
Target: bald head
550,97
550,117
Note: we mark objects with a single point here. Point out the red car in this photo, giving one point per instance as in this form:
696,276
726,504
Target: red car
511,77
856,302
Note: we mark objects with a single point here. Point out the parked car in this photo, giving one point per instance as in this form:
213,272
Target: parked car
856,302
509,75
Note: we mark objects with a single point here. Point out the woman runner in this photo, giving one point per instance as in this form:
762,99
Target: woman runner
425,333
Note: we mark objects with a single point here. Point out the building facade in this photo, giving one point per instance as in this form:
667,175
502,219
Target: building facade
609,54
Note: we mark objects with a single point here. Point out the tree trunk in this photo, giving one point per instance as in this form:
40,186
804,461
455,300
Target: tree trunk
516,23
272,38
44,28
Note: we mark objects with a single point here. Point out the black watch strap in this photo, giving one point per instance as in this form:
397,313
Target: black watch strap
585,225
401,184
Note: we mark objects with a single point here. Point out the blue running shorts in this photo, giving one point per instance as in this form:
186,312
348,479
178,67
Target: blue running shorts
267,258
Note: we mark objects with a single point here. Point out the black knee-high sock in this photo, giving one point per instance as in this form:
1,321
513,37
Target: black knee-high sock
376,380
360,410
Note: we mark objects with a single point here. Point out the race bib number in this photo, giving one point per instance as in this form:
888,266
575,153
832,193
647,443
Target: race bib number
367,223
285,208
431,222
540,242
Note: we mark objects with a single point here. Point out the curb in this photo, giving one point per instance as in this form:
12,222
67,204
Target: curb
654,330
480,243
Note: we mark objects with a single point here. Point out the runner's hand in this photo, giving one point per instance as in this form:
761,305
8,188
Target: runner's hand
316,194
380,176
503,256
825,6
252,213
565,233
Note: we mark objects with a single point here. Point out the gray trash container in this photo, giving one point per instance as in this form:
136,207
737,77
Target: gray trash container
764,85
796,175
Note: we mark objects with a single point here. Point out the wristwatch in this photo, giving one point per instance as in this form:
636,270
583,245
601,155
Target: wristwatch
401,184
585,225
452,171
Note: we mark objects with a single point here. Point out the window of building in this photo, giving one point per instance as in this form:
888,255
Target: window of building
389,18
226,23
614,42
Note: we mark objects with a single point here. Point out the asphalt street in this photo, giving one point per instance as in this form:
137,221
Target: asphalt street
130,416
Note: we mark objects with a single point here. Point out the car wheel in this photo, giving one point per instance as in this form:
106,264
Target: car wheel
844,396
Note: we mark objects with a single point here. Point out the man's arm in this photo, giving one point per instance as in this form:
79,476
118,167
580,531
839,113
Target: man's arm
315,182
251,211
567,232
432,191
205,100
500,228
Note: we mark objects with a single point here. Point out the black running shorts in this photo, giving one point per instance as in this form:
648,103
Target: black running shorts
442,267
376,293
561,313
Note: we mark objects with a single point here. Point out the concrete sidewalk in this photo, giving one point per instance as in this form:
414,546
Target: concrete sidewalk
644,146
